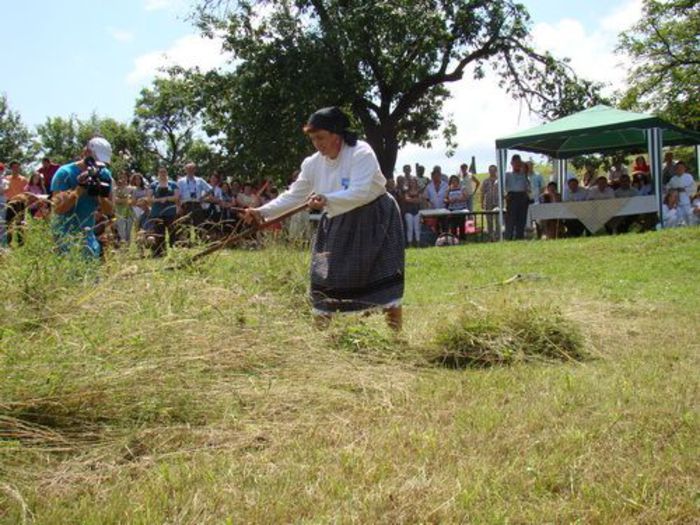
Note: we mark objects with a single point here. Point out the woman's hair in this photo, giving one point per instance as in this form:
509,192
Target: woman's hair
34,176
137,180
453,178
668,195
334,120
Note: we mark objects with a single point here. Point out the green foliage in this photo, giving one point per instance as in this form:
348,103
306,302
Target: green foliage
510,335
665,51
388,62
63,140
16,141
167,117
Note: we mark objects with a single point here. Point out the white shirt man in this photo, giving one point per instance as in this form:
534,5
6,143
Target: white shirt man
436,191
683,182
601,190
192,188
625,189
576,193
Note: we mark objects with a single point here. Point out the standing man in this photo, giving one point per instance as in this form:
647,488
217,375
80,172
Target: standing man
15,206
193,190
420,177
683,183
3,204
470,184
48,170
436,190
517,200
79,190
489,201
668,170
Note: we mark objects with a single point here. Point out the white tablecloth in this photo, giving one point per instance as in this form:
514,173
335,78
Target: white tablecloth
594,214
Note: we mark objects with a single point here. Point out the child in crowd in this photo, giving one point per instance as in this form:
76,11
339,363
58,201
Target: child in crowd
456,200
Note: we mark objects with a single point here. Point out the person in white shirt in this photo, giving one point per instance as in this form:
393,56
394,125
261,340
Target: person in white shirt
683,183
574,227
671,211
193,191
357,260
625,189
436,190
601,190
695,218
470,184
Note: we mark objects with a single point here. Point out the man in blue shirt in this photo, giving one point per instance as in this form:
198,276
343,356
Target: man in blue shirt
79,189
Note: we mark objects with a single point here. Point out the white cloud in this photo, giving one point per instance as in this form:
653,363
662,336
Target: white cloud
120,35
155,5
483,112
189,51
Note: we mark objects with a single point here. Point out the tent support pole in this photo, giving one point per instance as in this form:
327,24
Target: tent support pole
654,146
502,159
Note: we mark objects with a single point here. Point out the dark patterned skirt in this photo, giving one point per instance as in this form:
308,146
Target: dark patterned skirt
357,260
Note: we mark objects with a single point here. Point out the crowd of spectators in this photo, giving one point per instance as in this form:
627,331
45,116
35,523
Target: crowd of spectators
155,209
161,208
525,188
454,193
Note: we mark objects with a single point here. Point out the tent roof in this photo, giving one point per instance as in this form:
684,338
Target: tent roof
595,130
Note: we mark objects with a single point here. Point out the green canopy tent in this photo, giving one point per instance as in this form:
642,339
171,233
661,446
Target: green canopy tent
599,129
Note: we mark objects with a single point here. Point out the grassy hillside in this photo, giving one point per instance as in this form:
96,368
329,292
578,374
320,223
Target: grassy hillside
206,395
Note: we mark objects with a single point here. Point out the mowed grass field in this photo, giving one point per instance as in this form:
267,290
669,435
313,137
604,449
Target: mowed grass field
207,396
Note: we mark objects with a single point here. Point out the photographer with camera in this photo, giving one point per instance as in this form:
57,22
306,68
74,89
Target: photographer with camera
79,190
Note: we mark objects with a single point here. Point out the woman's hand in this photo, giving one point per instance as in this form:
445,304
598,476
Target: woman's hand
252,216
317,202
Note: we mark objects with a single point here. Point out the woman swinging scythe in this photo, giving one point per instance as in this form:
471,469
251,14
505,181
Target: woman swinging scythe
357,259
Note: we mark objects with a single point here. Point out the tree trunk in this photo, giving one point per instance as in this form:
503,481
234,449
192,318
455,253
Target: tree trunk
386,146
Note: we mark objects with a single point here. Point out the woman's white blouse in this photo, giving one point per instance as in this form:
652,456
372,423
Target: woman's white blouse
350,180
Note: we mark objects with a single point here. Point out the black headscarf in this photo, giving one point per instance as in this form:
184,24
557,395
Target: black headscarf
334,120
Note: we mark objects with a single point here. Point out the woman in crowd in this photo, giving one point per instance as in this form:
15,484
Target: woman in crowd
35,187
411,208
695,214
456,200
139,198
640,165
215,201
248,198
228,201
642,183
164,197
551,228
671,212
358,251
123,202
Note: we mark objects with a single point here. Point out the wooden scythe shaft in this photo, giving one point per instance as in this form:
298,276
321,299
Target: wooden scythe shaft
234,238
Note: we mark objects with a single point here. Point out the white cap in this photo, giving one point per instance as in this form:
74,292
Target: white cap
101,149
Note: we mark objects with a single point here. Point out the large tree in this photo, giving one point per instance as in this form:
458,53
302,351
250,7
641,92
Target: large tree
665,50
168,116
388,62
63,140
16,141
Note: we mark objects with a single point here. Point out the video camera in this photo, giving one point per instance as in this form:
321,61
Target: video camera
91,181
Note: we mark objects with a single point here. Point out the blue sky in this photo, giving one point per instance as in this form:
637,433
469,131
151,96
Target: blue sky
79,56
